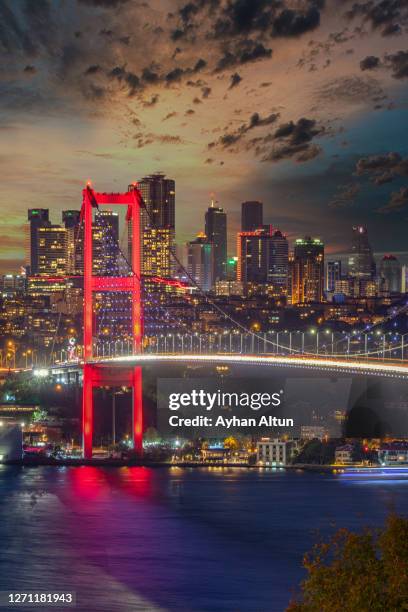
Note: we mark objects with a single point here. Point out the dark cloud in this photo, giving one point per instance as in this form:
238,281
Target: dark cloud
397,202
242,52
235,80
128,79
206,91
370,62
386,14
345,196
148,76
29,69
293,23
189,111
92,69
240,18
398,62
382,168
229,139
170,116
294,140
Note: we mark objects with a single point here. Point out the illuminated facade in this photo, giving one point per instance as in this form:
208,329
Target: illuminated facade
38,218
156,246
216,232
52,250
308,271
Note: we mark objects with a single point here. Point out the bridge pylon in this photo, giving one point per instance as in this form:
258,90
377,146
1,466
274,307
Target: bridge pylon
95,375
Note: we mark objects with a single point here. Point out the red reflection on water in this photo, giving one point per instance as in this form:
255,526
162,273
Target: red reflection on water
88,482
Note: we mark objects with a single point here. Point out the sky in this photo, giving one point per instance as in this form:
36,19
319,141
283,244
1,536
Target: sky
302,104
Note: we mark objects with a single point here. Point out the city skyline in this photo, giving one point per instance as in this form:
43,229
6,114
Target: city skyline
244,100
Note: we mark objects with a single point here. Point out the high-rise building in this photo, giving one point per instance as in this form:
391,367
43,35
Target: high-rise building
390,273
251,216
361,262
216,232
252,251
51,250
159,196
333,274
156,245
308,271
278,262
71,220
200,261
105,237
37,217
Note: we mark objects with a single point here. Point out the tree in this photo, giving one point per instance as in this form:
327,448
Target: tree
358,572
231,443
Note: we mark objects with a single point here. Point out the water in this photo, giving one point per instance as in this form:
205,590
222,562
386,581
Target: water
176,540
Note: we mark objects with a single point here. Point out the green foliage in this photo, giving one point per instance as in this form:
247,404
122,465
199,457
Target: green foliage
366,572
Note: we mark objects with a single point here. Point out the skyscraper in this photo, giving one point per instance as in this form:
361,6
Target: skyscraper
200,261
38,217
308,271
158,194
278,256
216,232
51,250
333,274
74,256
251,216
252,251
361,261
390,273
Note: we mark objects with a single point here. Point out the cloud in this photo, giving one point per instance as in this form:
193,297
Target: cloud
397,202
294,23
386,14
294,140
382,169
169,116
398,62
370,62
242,52
227,140
235,80
152,101
345,196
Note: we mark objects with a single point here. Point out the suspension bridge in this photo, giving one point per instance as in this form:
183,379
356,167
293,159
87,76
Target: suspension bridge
148,329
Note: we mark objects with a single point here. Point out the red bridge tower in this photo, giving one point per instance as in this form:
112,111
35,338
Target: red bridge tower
94,374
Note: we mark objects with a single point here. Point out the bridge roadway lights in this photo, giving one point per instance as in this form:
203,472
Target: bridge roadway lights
100,376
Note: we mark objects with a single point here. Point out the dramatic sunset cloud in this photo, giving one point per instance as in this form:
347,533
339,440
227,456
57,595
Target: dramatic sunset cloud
299,103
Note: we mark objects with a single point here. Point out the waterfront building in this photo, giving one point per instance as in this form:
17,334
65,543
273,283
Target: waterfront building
344,454
393,453
274,452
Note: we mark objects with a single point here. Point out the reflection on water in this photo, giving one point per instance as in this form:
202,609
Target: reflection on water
176,540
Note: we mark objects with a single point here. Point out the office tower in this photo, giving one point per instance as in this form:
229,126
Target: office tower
216,232
251,216
308,271
200,261
277,264
37,217
51,250
252,251
105,235
158,193
361,261
333,274
404,278
390,273
156,246
71,220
